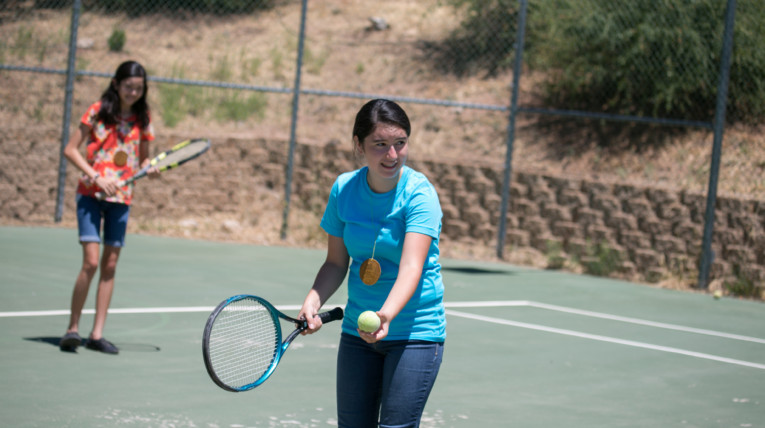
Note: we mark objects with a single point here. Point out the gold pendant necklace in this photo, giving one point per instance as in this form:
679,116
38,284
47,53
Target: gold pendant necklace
120,158
370,270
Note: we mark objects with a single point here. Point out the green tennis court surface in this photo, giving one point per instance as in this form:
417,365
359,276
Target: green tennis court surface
525,347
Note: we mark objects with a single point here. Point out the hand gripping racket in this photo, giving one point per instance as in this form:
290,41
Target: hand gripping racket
242,342
177,155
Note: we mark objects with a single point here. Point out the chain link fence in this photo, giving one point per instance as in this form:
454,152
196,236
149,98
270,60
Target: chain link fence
297,70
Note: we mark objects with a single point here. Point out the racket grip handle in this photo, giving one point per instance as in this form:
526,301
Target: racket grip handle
333,315
101,195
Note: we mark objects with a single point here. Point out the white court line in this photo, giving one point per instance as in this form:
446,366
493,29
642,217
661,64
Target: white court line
128,311
489,304
606,339
58,312
111,311
55,312
646,323
473,304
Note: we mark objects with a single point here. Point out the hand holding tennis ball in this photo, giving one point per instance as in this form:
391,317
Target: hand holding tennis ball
369,322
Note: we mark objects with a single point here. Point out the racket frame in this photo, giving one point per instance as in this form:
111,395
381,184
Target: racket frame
156,159
301,325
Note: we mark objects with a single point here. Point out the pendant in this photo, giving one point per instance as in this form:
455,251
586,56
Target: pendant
370,271
120,158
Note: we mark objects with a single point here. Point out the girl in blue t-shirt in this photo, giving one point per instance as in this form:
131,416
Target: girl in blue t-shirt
383,223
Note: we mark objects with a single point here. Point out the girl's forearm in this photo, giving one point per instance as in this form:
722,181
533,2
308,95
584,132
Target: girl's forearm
331,274
328,280
400,294
410,270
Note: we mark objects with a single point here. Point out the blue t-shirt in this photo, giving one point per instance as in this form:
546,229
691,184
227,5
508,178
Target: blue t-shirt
367,220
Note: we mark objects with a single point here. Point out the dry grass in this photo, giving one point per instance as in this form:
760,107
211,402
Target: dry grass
342,55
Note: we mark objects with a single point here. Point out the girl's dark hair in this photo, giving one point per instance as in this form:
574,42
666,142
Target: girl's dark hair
110,99
379,111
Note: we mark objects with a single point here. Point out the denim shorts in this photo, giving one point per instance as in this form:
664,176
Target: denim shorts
387,382
90,212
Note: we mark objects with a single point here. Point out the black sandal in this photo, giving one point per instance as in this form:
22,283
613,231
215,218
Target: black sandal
70,341
102,345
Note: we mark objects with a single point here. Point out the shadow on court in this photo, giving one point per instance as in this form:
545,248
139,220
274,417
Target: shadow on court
123,347
475,270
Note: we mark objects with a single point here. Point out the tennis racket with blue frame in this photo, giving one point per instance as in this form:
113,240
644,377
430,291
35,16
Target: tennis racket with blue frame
242,341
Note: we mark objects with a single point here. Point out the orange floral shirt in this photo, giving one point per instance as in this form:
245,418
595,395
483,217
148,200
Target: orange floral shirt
113,151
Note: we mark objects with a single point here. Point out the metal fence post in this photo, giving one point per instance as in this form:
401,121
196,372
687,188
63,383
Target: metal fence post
293,126
70,72
719,124
519,42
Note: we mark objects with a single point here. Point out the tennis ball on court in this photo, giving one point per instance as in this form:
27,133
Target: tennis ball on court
717,294
369,321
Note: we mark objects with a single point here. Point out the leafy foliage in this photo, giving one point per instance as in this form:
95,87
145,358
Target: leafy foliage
484,42
600,260
117,40
741,284
145,7
658,58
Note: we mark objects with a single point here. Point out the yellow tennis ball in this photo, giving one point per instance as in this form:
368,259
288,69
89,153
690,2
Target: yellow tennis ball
369,321
717,294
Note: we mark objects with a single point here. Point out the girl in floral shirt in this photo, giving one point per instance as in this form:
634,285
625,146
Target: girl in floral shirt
117,131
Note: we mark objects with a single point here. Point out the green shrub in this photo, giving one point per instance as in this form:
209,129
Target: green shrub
178,102
23,43
644,57
481,44
741,285
117,40
221,69
600,260
555,255
746,96
236,106
145,7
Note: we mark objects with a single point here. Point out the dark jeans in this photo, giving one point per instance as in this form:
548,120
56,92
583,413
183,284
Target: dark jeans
389,381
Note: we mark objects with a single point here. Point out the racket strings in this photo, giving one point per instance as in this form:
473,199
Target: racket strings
243,343
188,151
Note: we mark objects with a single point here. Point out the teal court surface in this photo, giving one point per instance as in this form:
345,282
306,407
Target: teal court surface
525,347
